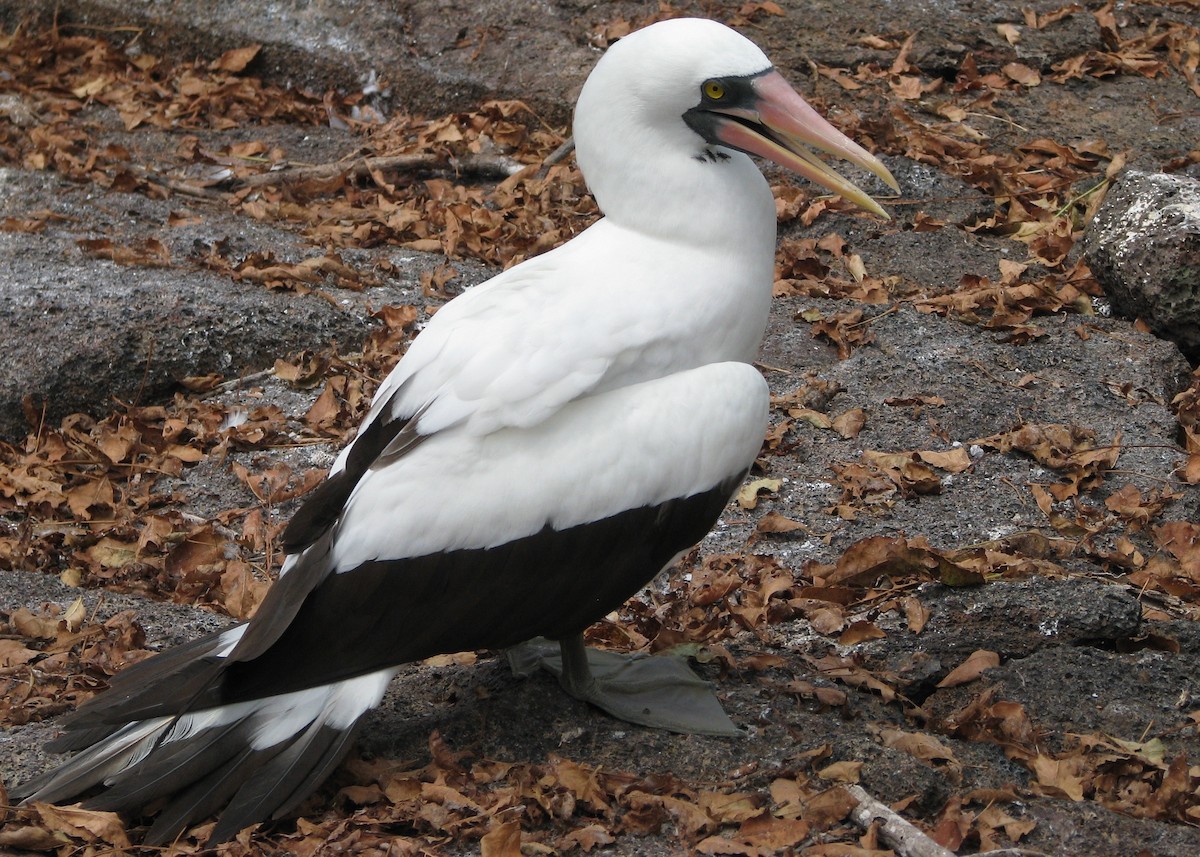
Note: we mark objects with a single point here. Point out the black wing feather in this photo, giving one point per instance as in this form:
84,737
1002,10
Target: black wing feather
407,609
378,442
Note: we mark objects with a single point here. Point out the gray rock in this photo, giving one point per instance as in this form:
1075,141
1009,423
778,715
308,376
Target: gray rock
420,56
1083,689
92,331
1013,618
1144,248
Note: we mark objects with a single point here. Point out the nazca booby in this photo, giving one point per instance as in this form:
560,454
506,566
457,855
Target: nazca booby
550,441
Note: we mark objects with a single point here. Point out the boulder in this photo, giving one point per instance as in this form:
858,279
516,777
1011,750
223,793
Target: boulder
1144,248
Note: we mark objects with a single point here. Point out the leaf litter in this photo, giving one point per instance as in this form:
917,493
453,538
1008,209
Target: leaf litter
82,499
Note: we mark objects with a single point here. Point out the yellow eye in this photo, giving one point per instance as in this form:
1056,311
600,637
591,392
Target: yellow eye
714,89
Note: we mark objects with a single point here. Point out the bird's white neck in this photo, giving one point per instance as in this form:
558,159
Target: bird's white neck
711,197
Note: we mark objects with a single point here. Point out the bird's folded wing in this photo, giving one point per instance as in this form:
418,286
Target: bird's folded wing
507,354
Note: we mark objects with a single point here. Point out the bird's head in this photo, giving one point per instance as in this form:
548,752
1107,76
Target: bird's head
690,90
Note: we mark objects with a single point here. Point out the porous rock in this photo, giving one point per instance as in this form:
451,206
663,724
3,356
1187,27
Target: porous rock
1144,248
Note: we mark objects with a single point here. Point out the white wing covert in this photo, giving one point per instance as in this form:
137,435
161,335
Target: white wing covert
511,352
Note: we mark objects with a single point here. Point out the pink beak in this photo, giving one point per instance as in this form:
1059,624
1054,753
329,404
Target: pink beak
790,126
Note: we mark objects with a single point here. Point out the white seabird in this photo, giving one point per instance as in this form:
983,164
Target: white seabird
550,441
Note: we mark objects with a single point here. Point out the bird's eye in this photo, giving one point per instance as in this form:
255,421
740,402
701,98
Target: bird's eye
714,89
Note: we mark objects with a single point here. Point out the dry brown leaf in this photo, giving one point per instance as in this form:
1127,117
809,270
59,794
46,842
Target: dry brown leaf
236,60
813,418
1182,540
1060,777
1011,33
729,808
89,825
760,836
825,809
28,624
994,817
916,614
954,460
503,840
1022,74
858,632
773,522
915,401
844,772
747,496
846,330
583,782
149,253
827,620
587,838
923,747
691,818
202,551
13,654
847,671
849,423
111,553
970,669
31,838
866,560
243,591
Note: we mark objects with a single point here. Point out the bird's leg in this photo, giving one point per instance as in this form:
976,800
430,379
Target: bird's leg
576,678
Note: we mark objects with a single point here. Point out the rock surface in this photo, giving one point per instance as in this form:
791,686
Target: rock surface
93,331
1144,247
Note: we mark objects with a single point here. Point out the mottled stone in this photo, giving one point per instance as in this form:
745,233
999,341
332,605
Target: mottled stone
1144,248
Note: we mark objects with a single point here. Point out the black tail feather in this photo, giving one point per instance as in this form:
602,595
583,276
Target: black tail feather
330,758
283,782
170,767
184,678
207,795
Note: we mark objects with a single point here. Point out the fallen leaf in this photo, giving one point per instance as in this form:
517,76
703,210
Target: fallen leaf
923,747
773,522
747,496
1022,74
236,60
876,556
31,838
827,808
971,669
1182,540
857,632
916,614
13,654
28,624
1060,777
583,782
954,460
111,553
86,824
849,423
587,838
503,840
845,771
1011,33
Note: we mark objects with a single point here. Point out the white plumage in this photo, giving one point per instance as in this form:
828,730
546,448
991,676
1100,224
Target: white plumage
550,441
596,457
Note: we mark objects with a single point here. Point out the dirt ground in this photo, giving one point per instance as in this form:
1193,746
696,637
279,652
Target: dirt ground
1036,504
